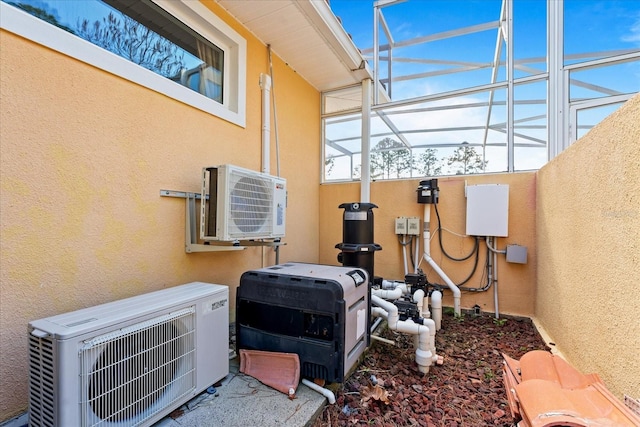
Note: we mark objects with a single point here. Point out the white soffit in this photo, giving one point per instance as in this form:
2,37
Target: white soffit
307,36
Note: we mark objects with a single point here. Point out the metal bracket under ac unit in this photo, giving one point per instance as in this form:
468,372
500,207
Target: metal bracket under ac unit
191,244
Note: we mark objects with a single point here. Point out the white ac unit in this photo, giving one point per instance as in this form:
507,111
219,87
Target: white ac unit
129,362
243,204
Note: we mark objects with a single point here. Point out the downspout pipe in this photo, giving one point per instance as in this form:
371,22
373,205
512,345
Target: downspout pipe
427,256
424,353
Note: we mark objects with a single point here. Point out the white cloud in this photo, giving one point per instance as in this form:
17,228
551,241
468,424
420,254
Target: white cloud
634,33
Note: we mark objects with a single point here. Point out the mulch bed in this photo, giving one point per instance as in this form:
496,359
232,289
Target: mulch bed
387,389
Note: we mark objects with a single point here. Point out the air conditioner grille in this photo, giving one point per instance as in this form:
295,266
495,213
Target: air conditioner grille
130,374
41,374
250,204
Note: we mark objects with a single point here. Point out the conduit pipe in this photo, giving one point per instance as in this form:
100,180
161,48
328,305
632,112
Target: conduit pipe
424,354
495,253
265,86
434,265
404,256
323,391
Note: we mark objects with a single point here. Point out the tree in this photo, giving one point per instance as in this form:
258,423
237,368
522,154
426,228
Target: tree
131,40
329,163
428,163
465,160
389,156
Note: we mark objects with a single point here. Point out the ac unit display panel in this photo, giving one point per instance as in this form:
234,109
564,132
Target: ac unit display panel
243,204
129,362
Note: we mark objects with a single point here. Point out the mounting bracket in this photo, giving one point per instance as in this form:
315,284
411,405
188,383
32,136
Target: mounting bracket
191,244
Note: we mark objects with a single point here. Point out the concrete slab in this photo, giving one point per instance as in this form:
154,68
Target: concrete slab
242,401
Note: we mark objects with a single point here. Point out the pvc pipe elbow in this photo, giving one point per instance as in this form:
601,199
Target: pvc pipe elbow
389,307
418,298
323,391
452,286
378,312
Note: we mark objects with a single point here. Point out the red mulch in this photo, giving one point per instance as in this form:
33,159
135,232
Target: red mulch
466,390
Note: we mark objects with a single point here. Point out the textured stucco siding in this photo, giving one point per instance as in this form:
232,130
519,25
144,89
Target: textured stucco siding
588,250
84,155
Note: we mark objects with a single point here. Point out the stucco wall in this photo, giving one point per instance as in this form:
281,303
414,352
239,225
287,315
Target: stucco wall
398,198
588,244
84,155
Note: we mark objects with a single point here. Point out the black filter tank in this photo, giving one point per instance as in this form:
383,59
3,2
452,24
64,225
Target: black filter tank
357,247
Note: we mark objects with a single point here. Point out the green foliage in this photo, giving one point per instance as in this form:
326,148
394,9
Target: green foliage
466,160
389,159
488,374
428,163
499,322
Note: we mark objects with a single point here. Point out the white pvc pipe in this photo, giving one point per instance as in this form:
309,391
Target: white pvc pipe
429,323
495,284
265,85
404,257
435,266
323,391
419,299
365,174
416,256
424,353
388,294
436,308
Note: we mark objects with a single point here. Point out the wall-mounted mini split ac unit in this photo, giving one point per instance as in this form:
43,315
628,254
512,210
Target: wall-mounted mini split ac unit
243,204
129,362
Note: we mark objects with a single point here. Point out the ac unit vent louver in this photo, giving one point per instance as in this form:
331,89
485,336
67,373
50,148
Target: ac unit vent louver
243,204
130,362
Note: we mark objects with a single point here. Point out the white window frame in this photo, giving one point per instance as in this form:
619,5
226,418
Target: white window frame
193,14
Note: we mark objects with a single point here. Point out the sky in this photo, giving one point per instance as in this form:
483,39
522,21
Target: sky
590,26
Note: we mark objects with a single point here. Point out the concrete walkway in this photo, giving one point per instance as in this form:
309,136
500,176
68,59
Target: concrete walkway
242,401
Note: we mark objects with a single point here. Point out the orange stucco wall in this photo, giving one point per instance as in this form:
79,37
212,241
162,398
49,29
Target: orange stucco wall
588,244
84,155
516,288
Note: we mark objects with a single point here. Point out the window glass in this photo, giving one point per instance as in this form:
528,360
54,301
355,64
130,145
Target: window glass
141,32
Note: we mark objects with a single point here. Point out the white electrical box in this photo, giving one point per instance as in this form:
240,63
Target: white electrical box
401,225
413,226
488,210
